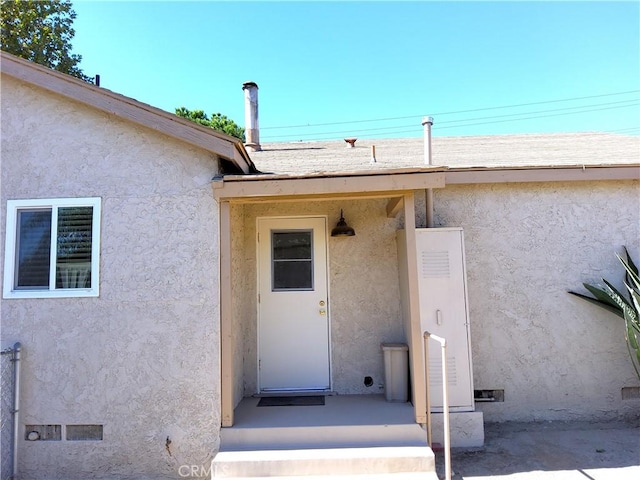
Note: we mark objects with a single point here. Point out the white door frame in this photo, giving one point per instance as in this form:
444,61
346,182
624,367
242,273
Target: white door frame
328,303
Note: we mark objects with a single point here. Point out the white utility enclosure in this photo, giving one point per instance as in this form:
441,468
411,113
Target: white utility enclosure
443,310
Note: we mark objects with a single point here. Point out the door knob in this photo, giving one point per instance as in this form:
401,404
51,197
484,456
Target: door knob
323,311
322,303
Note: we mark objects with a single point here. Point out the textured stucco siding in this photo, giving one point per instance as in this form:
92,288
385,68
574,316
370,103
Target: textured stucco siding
364,300
555,356
141,359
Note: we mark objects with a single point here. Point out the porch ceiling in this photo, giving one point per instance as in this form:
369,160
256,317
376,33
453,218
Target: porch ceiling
364,184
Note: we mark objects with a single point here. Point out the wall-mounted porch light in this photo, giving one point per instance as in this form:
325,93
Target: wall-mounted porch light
342,229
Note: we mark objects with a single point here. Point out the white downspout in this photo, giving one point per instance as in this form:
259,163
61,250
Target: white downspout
427,122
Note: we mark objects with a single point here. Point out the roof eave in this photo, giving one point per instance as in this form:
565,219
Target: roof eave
264,176
327,184
128,109
547,173
392,183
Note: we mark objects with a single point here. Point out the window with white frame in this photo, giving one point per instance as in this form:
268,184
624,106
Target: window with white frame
52,248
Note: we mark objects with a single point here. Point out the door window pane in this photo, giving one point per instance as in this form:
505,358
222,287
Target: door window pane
291,245
292,260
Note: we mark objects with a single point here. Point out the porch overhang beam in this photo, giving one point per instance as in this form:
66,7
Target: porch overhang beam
251,189
394,206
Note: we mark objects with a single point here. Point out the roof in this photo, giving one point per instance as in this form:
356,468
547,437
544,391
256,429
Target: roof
222,145
498,151
331,168
334,159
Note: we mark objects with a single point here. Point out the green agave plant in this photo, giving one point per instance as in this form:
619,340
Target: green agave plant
628,308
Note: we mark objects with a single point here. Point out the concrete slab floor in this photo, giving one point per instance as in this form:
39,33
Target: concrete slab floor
550,451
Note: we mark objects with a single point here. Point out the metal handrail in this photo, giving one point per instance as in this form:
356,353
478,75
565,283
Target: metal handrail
445,399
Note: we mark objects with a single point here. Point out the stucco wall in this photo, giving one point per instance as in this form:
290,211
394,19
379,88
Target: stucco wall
364,298
142,358
555,356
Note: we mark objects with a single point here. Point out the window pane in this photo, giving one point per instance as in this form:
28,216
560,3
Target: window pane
34,248
289,245
292,260
292,275
73,259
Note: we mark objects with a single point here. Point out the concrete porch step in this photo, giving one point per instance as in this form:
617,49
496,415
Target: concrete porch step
322,463
324,436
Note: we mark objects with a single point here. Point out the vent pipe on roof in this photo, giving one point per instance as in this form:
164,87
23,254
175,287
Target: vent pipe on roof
251,127
427,122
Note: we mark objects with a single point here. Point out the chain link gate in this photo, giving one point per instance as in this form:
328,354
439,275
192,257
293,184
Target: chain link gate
9,397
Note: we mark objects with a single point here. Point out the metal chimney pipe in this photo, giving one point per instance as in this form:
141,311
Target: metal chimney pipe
251,126
427,122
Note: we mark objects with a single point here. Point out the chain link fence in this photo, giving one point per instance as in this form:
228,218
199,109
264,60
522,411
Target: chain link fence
9,388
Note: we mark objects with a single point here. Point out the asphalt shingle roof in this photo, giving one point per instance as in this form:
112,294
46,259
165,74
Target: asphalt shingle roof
531,150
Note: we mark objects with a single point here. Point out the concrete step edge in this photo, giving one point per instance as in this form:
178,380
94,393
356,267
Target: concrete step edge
322,437
337,461
364,476
333,453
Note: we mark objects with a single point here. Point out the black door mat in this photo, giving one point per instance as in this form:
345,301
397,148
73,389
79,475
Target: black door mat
302,401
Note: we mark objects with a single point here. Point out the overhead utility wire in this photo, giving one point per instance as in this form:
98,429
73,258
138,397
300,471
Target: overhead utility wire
625,130
419,129
450,113
413,127
545,116
547,111
513,120
438,125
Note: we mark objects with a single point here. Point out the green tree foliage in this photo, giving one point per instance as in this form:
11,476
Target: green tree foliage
217,121
41,31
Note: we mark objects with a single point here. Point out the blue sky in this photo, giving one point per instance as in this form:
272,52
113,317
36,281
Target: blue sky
372,69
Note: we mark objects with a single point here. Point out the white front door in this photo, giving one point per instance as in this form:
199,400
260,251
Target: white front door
293,314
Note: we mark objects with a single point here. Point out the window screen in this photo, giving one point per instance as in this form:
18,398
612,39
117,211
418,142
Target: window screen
73,260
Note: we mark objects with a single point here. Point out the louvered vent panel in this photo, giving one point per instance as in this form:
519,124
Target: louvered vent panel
435,372
435,264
